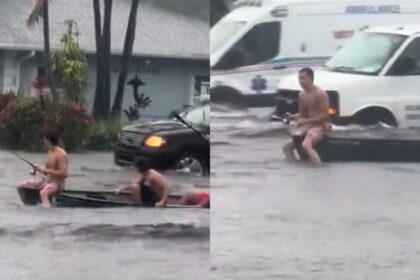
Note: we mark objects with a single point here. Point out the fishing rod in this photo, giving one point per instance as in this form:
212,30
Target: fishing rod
178,117
33,172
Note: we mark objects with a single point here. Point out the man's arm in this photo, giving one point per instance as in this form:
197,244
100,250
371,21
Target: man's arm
126,188
301,111
162,183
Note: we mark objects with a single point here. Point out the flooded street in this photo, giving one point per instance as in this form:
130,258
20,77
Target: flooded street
275,220
96,244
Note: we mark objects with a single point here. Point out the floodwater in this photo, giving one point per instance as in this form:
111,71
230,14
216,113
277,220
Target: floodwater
275,220
99,244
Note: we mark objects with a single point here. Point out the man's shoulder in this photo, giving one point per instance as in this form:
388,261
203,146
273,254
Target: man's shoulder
61,152
321,91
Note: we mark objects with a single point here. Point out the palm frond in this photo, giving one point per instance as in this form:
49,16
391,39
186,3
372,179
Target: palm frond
35,13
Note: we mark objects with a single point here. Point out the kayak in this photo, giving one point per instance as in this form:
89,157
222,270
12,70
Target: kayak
93,199
381,144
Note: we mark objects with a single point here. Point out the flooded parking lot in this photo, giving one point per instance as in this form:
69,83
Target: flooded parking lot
276,220
96,244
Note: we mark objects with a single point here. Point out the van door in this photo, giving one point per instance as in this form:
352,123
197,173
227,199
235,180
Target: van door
403,79
259,44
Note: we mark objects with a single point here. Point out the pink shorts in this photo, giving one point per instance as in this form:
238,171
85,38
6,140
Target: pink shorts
315,134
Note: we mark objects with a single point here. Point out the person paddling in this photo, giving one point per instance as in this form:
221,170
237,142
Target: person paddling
151,189
54,172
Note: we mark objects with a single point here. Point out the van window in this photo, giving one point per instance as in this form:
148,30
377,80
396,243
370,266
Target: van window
409,61
366,53
259,44
222,32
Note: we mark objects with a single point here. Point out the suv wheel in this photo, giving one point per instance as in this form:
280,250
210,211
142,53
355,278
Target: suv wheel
190,163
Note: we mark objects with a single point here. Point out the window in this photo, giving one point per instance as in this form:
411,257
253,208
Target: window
261,43
221,32
409,61
197,115
367,53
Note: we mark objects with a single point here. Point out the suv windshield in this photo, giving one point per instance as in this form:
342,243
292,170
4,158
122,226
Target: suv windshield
197,115
221,32
367,53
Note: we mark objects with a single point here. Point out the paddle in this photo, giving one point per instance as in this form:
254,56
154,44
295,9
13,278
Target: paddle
33,172
178,117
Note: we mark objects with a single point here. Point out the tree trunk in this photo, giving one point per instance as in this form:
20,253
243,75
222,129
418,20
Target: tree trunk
47,58
126,59
98,105
106,53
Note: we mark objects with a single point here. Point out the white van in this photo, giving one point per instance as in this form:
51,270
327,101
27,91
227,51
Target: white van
255,44
373,78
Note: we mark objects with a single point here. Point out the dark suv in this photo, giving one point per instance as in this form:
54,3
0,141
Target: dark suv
169,144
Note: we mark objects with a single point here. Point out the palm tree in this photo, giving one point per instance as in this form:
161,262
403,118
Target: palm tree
99,104
40,9
106,54
127,53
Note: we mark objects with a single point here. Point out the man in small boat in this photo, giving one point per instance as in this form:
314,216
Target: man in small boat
312,118
151,189
199,199
54,172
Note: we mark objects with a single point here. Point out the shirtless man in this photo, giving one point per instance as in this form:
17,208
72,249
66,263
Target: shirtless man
54,171
312,118
151,189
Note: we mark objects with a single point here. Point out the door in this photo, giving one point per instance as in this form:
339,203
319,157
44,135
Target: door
403,79
201,89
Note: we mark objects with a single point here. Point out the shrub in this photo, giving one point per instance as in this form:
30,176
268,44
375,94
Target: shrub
26,122
22,119
102,134
5,98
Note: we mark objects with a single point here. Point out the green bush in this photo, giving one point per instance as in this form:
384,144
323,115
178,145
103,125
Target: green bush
26,122
102,134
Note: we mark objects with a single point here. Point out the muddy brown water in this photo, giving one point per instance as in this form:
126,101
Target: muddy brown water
275,220
97,244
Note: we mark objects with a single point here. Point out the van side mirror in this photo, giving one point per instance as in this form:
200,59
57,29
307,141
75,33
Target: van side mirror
173,114
403,66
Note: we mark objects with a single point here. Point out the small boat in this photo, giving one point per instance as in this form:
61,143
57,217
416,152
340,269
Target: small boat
92,199
375,143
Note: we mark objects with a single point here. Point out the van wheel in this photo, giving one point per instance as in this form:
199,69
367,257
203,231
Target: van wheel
375,115
190,162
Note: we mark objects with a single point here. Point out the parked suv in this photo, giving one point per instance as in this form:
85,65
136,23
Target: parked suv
169,144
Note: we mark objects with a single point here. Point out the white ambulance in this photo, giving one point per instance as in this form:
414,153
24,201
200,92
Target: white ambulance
256,44
374,78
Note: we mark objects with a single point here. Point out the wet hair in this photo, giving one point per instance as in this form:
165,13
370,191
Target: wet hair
52,137
308,71
141,164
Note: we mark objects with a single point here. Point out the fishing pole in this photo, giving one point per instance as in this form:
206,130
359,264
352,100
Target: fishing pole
192,128
33,172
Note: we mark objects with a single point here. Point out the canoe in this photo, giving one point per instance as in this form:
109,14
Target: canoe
380,144
92,199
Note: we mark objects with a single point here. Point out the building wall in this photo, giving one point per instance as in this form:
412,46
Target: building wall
169,83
